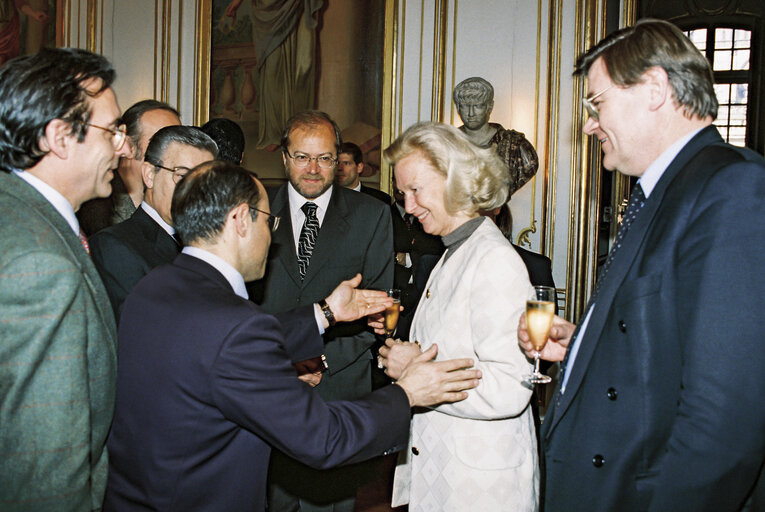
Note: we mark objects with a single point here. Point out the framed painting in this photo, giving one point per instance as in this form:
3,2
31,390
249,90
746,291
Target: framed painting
26,26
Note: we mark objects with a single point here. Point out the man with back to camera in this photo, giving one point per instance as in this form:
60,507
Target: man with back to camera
327,234
205,387
350,164
58,345
126,252
142,121
659,403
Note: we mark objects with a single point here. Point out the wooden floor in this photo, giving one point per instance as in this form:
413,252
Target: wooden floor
375,496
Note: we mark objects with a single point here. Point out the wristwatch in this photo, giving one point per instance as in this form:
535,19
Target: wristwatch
328,314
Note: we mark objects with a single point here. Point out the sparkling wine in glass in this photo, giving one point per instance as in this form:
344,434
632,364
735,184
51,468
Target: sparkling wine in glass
540,309
391,312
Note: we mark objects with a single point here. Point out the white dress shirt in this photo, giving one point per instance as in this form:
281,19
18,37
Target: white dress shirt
154,214
54,197
297,216
231,274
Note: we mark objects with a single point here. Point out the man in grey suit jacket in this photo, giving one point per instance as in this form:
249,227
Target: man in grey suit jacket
127,251
351,234
60,138
660,403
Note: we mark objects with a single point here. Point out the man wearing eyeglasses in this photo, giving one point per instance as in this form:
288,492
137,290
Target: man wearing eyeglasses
142,120
327,234
60,139
659,406
127,251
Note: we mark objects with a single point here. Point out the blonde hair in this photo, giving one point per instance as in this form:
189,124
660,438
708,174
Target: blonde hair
476,178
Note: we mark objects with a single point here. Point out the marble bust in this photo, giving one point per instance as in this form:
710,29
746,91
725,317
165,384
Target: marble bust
474,98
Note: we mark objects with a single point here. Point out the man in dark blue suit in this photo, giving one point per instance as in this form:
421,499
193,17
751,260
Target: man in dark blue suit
205,387
659,407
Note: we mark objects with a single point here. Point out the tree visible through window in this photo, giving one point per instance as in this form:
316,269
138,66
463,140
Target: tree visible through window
729,50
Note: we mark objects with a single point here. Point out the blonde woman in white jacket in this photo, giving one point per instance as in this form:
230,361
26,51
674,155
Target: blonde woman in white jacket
478,454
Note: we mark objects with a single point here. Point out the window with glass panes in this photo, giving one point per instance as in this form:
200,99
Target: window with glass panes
729,49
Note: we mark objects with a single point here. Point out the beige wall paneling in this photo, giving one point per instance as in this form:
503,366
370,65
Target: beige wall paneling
154,46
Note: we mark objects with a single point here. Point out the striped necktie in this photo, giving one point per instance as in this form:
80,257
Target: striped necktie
307,238
636,203
84,241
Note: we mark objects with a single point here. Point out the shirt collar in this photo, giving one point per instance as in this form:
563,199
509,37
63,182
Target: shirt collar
653,174
357,188
231,274
157,218
54,197
297,201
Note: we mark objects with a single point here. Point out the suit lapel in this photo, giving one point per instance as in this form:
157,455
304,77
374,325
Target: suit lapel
282,241
163,245
333,228
620,267
29,195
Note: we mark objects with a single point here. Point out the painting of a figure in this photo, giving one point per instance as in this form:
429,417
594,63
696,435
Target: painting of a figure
26,26
272,58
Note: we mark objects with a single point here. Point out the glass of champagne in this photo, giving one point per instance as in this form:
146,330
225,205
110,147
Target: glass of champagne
540,309
391,313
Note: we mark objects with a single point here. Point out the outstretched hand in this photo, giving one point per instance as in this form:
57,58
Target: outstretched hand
348,303
428,382
557,342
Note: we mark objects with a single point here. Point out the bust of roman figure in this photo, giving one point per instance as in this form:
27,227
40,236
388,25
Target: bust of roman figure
474,98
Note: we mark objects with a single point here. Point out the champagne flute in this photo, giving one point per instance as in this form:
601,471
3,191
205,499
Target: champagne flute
540,310
391,312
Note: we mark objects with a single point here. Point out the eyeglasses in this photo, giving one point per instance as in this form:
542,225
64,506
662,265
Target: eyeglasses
178,172
591,109
323,161
119,134
273,220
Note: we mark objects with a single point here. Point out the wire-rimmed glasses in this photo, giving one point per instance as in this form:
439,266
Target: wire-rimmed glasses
326,161
588,105
178,172
273,220
119,134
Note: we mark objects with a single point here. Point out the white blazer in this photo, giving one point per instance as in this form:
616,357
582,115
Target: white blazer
480,453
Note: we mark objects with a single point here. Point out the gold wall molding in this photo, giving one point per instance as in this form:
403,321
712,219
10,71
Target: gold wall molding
92,16
419,77
552,122
203,38
390,66
439,60
523,234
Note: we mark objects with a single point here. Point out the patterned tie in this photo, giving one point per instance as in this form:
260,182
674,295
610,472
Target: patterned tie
637,201
307,237
84,241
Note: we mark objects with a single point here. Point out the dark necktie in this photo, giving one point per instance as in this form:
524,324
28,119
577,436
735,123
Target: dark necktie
636,203
307,238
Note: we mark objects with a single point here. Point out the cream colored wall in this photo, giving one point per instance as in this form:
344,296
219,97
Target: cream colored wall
151,43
